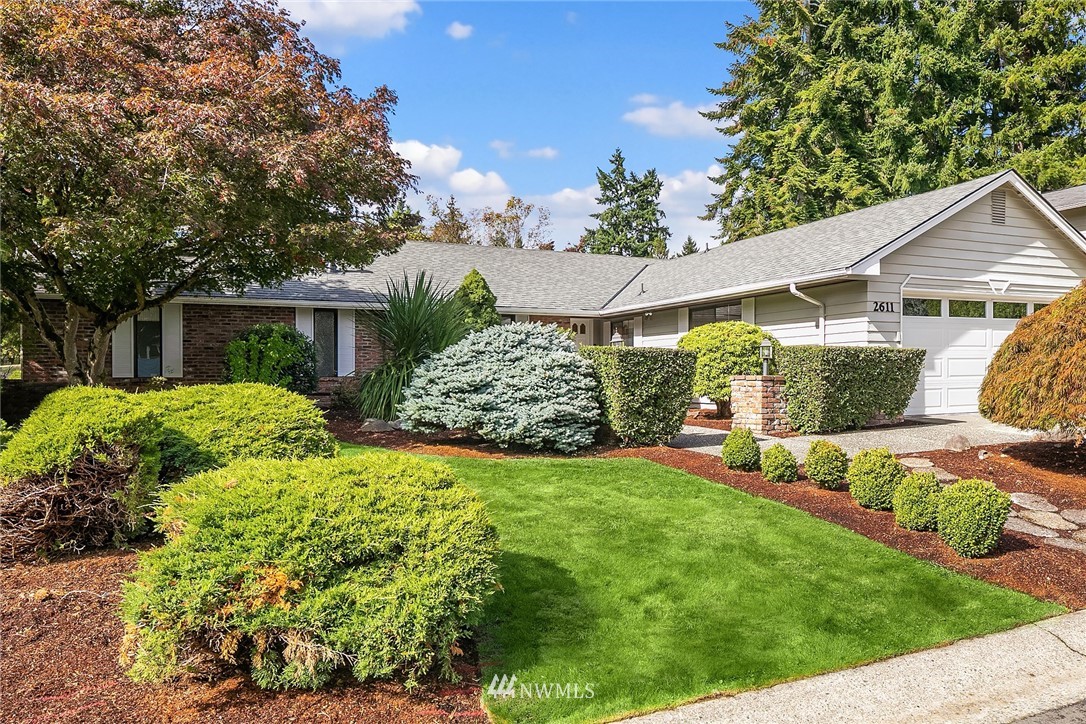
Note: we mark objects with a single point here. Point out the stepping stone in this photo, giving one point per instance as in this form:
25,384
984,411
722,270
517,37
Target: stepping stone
1067,543
916,462
1075,515
1048,520
1022,526
1029,501
1079,535
941,475
1012,513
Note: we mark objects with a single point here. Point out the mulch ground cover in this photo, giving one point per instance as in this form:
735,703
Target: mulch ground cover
60,640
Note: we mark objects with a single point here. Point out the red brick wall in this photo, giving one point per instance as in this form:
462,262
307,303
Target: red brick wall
758,404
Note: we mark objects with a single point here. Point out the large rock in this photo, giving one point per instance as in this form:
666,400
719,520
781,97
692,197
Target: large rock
372,424
956,443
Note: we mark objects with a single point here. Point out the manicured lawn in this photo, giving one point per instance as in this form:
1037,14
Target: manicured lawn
656,587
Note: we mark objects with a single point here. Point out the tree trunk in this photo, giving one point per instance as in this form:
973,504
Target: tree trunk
77,374
96,356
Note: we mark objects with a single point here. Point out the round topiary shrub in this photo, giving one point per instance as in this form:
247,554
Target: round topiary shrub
740,451
971,517
872,478
779,465
273,354
826,464
916,502
724,349
80,471
375,565
512,384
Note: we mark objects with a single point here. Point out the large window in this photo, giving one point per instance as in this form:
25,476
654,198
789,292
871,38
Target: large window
149,343
324,339
732,312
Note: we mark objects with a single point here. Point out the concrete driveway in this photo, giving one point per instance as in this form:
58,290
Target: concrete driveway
917,435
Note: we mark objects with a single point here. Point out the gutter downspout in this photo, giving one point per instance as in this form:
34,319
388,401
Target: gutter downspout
811,300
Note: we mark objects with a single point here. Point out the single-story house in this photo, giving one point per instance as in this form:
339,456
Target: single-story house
950,271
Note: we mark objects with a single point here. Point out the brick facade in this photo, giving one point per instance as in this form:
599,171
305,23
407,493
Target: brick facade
758,404
39,363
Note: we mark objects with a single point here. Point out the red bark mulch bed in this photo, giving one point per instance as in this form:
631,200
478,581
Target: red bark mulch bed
1020,562
715,423
61,636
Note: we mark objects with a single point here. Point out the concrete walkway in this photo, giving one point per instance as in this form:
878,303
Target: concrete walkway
926,433
1038,670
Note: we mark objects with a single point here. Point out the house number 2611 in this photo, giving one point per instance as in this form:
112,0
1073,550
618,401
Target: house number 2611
884,307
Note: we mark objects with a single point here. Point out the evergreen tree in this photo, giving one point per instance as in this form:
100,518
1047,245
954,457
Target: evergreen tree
478,302
631,223
407,220
837,105
689,247
451,225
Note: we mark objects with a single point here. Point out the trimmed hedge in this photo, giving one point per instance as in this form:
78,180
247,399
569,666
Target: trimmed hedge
376,565
779,465
644,392
826,464
971,517
916,502
514,383
740,451
80,471
828,389
273,354
208,426
873,477
724,349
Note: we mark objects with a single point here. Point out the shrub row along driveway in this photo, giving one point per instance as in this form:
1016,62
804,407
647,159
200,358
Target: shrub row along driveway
655,587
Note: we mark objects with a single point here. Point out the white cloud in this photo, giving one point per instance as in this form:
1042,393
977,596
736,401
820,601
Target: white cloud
503,148
571,17
430,162
459,31
471,182
369,19
645,99
546,152
675,120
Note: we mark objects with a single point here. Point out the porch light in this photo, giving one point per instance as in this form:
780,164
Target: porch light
617,340
766,350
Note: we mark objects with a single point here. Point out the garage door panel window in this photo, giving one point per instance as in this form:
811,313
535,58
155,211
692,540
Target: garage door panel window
968,308
917,307
1008,310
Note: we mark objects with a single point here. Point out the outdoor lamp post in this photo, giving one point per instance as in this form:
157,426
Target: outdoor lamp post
766,348
616,339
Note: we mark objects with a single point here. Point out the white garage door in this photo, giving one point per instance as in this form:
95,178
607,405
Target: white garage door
960,336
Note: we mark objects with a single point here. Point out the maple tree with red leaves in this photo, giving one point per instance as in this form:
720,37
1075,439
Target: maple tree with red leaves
150,148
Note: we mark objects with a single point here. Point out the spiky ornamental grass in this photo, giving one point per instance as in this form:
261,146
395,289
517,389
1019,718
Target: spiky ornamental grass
514,384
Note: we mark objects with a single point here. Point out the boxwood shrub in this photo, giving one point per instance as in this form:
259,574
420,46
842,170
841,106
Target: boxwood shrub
740,451
916,502
644,392
208,426
375,565
873,477
971,517
840,388
516,383
826,464
273,354
79,472
779,465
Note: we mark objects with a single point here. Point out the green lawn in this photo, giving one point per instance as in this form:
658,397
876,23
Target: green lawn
656,587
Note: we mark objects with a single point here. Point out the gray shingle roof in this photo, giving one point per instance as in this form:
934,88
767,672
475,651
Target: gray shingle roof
831,244
520,278
1069,198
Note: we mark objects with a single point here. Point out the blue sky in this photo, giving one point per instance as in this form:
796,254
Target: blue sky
528,98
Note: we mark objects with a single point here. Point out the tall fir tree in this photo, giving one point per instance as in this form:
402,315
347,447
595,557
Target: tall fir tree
838,105
478,302
689,247
631,222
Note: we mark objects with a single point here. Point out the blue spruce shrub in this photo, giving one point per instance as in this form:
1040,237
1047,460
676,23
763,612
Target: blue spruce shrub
512,384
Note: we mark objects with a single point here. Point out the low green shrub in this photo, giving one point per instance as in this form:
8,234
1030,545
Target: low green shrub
6,433
724,349
779,465
644,391
841,388
512,384
80,471
375,564
971,517
826,464
916,502
873,477
273,354
208,426
740,451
